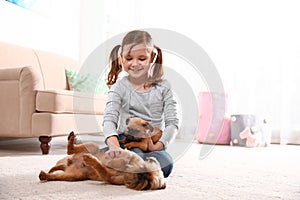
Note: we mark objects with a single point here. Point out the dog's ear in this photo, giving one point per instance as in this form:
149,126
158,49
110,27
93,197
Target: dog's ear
147,126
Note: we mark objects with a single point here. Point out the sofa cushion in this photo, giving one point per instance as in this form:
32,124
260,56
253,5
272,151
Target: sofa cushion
51,124
66,101
86,82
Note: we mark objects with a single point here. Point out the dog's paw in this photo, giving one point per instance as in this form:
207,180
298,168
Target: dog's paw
43,176
89,159
122,141
128,146
71,136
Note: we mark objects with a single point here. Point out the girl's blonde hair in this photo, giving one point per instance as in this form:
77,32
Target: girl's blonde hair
134,38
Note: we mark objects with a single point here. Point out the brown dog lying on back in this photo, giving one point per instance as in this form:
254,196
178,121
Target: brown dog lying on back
86,162
138,133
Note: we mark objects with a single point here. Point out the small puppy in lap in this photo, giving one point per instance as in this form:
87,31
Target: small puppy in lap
138,133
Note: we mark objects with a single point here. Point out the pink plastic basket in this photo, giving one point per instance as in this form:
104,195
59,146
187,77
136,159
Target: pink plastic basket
213,126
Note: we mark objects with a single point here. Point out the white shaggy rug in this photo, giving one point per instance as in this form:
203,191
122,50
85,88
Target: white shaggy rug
226,173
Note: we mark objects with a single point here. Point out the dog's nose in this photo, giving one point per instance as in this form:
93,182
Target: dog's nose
127,121
142,176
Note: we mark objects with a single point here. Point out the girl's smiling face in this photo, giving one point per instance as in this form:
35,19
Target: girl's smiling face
136,61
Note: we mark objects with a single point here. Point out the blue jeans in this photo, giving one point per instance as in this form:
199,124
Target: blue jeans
163,157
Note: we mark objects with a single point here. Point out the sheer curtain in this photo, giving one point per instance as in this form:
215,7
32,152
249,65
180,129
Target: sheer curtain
271,91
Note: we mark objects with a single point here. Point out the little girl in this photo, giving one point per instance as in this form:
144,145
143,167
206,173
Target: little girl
141,93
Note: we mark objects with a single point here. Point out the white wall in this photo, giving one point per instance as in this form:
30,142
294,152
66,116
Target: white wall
92,26
102,19
51,26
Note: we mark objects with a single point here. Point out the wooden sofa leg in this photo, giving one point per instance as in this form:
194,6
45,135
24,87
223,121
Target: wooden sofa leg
45,145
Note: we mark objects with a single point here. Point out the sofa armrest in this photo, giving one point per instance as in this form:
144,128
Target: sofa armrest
8,74
17,102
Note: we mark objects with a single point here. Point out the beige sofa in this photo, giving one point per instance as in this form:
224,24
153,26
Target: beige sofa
35,98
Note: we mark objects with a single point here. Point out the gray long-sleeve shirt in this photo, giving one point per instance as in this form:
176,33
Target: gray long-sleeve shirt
155,105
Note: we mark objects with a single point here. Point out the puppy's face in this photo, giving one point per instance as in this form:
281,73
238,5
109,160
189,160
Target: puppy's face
147,177
138,174
138,128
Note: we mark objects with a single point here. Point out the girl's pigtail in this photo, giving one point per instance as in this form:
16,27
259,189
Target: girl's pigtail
158,67
115,66
159,59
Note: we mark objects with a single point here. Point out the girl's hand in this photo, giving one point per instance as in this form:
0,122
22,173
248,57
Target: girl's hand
114,152
114,147
155,147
